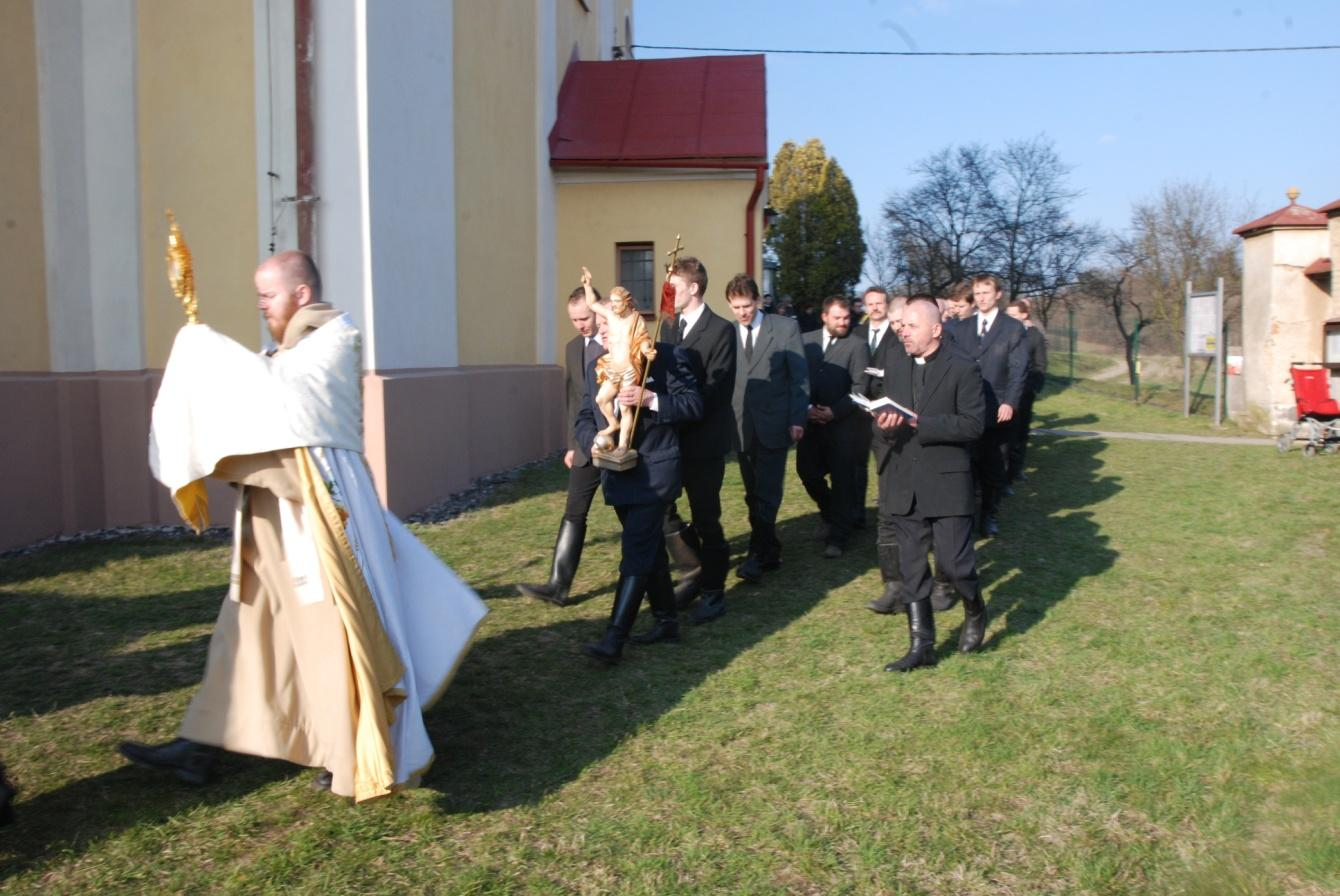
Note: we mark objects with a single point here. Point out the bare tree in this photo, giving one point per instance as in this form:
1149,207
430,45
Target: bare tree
880,266
1112,285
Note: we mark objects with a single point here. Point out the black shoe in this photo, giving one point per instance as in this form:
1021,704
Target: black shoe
661,596
627,598
989,525
663,630
713,606
888,602
974,625
921,628
943,596
189,762
751,570
323,781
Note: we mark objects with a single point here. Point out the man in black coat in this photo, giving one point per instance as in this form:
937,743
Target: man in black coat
640,495
771,403
1022,311
925,478
879,331
837,364
997,343
709,343
583,478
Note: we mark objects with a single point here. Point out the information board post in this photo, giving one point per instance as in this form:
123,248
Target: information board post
1204,339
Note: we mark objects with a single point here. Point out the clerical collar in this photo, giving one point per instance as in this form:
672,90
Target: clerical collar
691,317
923,359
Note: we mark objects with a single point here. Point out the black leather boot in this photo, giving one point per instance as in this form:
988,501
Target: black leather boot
7,792
567,554
189,762
943,595
889,573
627,598
921,627
661,596
974,622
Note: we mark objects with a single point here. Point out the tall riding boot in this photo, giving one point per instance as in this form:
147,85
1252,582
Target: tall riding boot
974,621
661,596
890,574
682,543
921,626
567,554
627,598
188,761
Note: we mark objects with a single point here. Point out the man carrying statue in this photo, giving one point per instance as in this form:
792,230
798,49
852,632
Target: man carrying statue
340,628
628,350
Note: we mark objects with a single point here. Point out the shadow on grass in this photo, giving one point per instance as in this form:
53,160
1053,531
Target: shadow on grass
56,559
528,713
1050,542
62,651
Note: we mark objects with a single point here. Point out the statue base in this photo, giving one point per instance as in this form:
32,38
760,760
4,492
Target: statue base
618,460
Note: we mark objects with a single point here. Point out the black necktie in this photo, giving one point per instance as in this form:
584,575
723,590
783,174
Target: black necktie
828,348
683,325
874,340
981,334
749,344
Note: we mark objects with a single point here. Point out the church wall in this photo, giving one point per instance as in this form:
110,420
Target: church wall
497,146
23,339
197,150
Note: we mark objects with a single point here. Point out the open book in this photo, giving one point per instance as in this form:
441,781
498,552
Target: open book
884,403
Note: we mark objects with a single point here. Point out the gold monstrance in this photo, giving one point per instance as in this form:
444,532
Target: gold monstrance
180,273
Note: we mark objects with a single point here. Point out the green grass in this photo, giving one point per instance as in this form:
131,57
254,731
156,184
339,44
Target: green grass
1154,711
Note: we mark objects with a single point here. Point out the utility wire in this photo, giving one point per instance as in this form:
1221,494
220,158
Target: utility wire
993,52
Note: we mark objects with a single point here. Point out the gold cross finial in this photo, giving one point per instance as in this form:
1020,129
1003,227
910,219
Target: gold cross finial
673,255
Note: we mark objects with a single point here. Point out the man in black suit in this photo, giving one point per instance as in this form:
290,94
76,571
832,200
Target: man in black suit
998,344
878,331
708,341
641,494
1022,311
837,364
925,478
583,478
771,402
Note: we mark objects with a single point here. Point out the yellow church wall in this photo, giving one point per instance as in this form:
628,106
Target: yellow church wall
708,214
24,345
496,206
197,144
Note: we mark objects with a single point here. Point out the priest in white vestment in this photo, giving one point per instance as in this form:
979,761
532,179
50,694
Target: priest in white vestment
340,628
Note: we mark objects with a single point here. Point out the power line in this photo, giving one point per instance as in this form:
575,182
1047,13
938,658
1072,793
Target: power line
1183,52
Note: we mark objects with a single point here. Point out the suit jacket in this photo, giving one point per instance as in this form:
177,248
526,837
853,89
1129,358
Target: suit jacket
656,477
833,377
933,462
1037,360
710,347
875,384
1002,358
574,380
772,391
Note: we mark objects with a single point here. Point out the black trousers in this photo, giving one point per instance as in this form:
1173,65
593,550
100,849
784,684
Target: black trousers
643,539
582,484
1020,427
702,486
763,471
989,465
828,452
861,470
915,535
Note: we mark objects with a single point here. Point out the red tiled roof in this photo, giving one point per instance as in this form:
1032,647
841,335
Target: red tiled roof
1292,215
699,108
1331,210
1320,266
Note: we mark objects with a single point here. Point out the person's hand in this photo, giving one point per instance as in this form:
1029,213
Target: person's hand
822,414
797,433
1005,414
586,276
632,396
649,353
888,421
568,458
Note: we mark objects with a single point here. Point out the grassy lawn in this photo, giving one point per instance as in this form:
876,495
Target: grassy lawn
1108,406
1154,712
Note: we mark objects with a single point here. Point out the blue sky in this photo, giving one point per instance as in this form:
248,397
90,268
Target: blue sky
1252,124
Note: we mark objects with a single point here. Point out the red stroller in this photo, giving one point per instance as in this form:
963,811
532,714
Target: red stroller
1318,423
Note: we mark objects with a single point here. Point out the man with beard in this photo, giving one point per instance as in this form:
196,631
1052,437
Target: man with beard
837,364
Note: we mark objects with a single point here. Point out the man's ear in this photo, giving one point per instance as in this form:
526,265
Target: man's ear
304,294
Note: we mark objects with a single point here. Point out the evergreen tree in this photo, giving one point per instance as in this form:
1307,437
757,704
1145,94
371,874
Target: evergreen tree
816,238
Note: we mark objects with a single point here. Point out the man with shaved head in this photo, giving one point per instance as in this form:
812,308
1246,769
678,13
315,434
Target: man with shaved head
339,627
925,478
